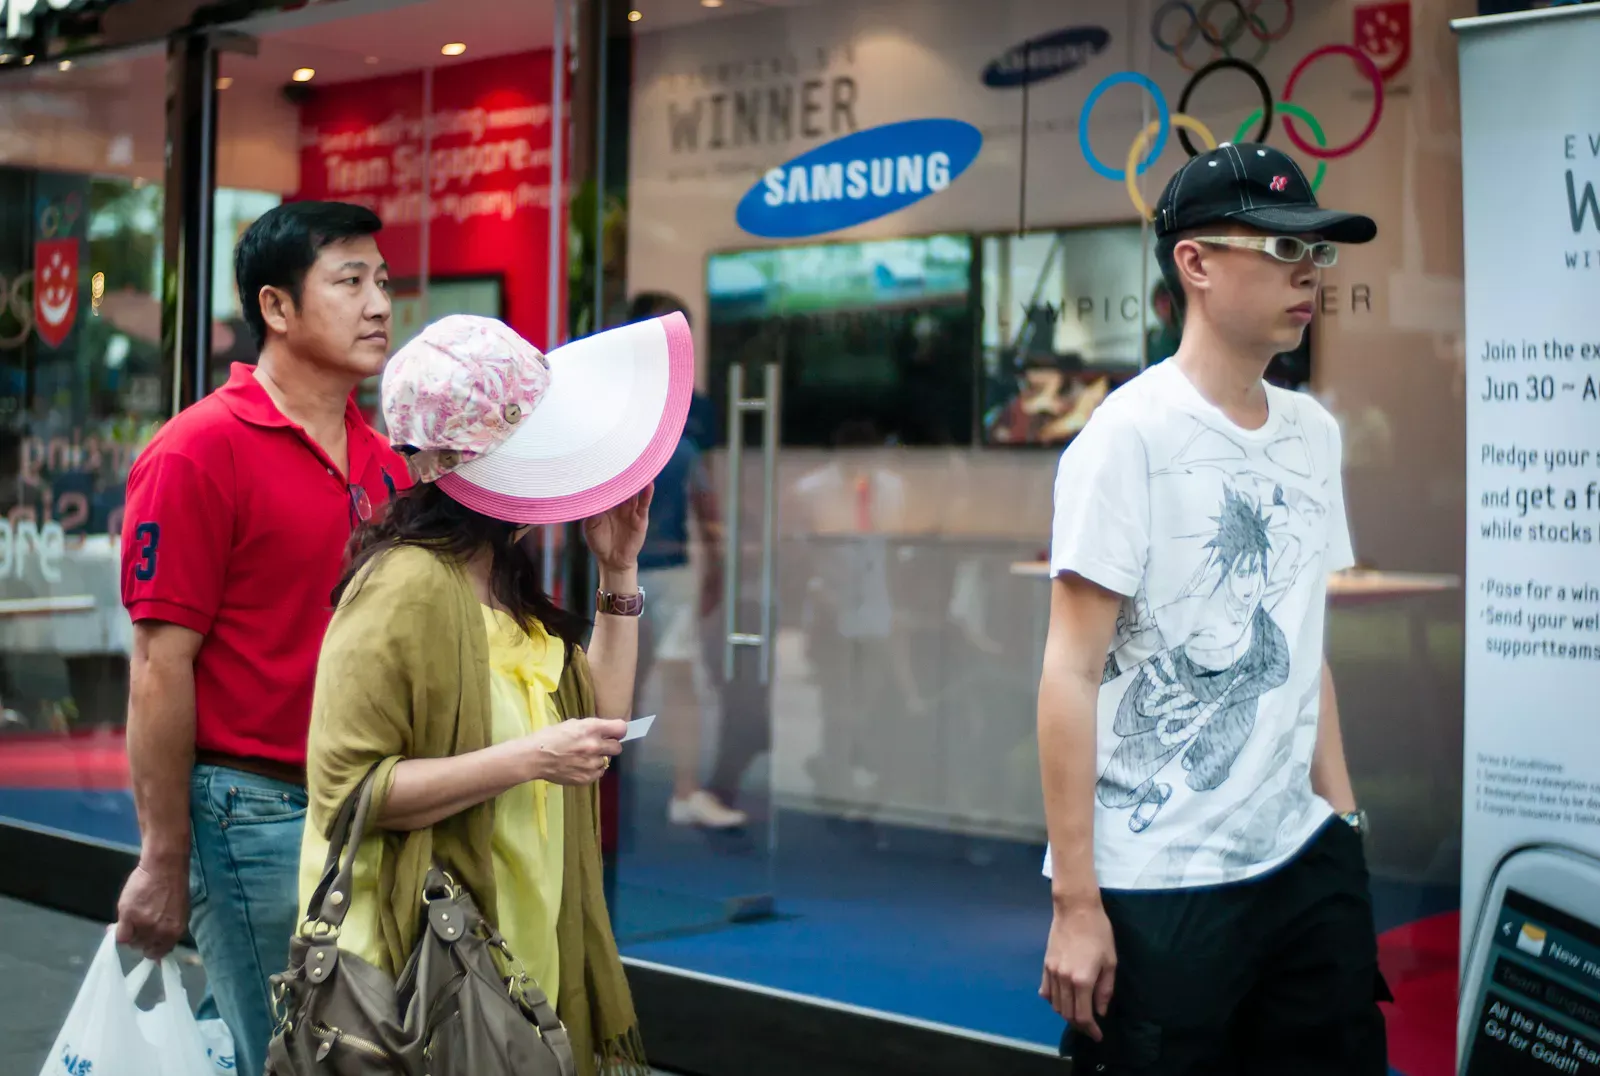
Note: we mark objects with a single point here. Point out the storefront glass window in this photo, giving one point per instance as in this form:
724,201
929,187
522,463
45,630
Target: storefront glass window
83,386
914,262
447,119
920,216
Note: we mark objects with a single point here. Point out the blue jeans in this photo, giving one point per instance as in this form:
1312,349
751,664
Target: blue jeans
244,867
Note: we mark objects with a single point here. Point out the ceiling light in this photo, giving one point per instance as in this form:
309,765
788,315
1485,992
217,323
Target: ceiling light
64,65
635,16
304,74
224,82
372,60
28,59
710,3
455,48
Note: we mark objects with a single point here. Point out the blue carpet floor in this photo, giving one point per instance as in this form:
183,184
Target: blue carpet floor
927,925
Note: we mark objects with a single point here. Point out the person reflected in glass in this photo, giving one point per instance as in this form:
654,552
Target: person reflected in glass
1161,342
858,636
685,594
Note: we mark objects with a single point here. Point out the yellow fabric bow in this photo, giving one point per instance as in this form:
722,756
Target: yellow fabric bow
534,660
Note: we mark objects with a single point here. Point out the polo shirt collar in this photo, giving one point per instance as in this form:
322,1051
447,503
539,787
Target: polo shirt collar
248,400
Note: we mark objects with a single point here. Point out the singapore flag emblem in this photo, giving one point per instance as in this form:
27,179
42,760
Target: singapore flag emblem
55,289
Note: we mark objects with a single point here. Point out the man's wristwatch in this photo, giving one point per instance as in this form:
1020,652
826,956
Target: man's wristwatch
609,604
1356,820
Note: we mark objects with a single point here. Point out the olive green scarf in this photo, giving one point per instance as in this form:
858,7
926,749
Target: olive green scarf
404,673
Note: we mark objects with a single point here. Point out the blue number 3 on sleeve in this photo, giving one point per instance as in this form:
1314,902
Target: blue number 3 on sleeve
148,535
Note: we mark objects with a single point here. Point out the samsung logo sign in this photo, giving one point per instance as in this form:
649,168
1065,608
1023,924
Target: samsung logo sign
857,178
1047,56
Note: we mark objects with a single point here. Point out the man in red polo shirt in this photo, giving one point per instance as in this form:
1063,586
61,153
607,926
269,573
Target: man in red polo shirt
238,514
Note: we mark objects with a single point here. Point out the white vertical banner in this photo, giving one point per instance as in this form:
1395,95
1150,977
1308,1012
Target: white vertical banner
1530,132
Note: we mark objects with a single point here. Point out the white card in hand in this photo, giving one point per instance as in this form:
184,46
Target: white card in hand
638,727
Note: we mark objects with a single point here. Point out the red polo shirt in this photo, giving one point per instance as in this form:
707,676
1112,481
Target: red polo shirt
235,527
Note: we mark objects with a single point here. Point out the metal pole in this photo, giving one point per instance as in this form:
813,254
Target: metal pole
602,132
558,125
558,97
425,207
189,185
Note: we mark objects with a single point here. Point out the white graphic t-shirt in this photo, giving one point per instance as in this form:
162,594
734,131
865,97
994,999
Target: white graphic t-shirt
1221,540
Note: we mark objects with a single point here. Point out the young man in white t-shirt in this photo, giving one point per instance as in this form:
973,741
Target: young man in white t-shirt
1212,915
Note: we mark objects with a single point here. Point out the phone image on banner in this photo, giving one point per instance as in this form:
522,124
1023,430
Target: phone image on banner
1530,994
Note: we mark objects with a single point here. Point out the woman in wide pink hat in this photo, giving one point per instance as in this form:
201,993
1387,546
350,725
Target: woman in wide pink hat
461,688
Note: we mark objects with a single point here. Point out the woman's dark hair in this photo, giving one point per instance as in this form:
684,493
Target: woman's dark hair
426,516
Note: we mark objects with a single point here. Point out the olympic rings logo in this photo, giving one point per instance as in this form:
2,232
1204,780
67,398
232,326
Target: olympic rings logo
16,305
55,218
1167,119
1246,20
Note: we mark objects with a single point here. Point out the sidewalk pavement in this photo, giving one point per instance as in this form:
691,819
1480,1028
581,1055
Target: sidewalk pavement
43,958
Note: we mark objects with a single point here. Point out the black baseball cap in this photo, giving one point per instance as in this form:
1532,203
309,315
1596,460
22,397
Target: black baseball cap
1252,184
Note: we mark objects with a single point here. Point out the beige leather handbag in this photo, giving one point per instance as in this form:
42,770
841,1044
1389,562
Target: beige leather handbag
452,1012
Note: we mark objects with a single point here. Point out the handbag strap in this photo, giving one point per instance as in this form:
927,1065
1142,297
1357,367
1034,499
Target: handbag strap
447,917
330,901
532,994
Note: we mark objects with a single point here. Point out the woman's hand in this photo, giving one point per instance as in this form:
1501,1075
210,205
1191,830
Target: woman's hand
616,537
576,752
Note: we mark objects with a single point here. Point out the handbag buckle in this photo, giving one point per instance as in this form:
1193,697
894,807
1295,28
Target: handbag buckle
319,930
280,1005
448,891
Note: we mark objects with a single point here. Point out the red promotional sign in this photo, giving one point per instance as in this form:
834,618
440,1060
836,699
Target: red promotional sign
1383,31
481,166
55,289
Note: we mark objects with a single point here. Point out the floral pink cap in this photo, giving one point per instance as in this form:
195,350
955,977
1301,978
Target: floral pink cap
458,389
527,437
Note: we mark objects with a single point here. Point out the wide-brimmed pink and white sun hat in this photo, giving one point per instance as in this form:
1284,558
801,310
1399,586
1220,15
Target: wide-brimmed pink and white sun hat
527,437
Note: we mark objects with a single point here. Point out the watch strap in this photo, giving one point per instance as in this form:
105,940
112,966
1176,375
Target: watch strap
609,604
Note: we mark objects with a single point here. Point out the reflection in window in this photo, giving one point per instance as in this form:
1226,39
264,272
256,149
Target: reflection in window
1063,324
876,333
82,389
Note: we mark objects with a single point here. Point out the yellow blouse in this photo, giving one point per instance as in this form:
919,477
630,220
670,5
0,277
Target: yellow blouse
528,819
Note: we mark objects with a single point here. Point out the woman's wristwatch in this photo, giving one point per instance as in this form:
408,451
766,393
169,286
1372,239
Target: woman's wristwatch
609,604
1356,820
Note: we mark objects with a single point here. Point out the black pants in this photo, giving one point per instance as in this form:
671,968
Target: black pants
1277,976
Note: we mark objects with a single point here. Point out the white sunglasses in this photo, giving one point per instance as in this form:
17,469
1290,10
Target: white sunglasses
1285,248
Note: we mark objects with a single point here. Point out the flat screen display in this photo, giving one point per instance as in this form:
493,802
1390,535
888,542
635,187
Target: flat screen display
1539,1011
875,338
1066,316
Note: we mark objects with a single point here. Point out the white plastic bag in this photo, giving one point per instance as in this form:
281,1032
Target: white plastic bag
219,1046
106,1034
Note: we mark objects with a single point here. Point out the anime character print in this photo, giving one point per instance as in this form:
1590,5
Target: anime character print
1214,648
